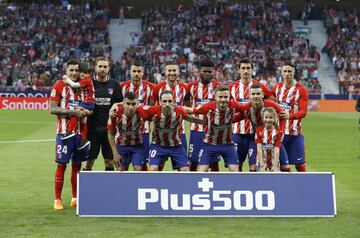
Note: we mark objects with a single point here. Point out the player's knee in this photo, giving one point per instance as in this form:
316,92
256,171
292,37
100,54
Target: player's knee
138,168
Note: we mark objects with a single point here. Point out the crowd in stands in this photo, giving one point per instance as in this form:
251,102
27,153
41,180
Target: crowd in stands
34,46
36,40
226,32
343,46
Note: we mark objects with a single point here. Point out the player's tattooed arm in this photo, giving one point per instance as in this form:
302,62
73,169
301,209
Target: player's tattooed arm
56,110
192,119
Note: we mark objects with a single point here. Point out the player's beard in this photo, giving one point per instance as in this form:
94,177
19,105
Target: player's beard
205,79
222,106
136,80
167,110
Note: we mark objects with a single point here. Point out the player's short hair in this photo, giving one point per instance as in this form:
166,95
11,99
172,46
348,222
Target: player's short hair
138,63
85,67
270,110
255,86
72,62
102,58
171,63
246,61
130,96
288,63
206,63
165,92
222,88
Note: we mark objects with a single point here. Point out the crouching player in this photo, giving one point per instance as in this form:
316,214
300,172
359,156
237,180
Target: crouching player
218,131
268,138
87,103
166,141
126,134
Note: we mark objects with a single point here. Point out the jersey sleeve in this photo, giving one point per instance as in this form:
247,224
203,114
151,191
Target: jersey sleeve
303,105
55,94
267,92
258,136
155,94
203,109
279,139
85,82
238,117
181,111
146,112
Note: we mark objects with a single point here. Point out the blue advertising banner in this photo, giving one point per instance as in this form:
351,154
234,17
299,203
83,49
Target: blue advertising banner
141,194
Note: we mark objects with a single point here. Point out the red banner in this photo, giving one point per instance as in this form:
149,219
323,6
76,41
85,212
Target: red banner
7,103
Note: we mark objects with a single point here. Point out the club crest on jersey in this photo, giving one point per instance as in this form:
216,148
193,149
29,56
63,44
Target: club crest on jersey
111,91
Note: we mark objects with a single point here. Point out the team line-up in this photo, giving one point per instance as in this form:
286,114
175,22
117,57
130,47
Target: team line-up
234,122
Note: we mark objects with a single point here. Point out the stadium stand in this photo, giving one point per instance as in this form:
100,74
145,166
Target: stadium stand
342,46
226,32
36,40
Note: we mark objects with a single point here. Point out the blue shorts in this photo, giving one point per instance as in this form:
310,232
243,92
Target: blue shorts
159,154
134,154
253,153
242,145
87,105
146,144
195,145
209,154
183,141
295,148
66,150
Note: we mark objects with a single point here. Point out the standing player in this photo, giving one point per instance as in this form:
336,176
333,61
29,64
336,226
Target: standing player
107,92
142,90
178,89
217,139
253,114
293,98
166,141
64,104
201,92
87,102
268,140
240,92
126,134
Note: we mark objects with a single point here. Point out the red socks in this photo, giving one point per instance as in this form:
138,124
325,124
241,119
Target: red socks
74,172
71,124
59,180
300,167
83,130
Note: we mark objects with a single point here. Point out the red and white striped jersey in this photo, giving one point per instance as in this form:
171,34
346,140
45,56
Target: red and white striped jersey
87,92
295,100
167,129
179,93
218,130
255,115
143,93
68,99
240,92
269,139
200,94
129,130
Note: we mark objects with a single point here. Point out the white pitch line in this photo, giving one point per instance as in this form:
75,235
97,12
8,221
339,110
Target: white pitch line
25,141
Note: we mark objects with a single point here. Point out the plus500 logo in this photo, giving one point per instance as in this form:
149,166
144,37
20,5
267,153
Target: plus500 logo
217,200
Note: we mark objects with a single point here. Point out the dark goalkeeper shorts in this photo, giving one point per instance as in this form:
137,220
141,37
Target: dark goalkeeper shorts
99,141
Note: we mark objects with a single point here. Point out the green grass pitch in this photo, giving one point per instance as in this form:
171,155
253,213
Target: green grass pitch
26,188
